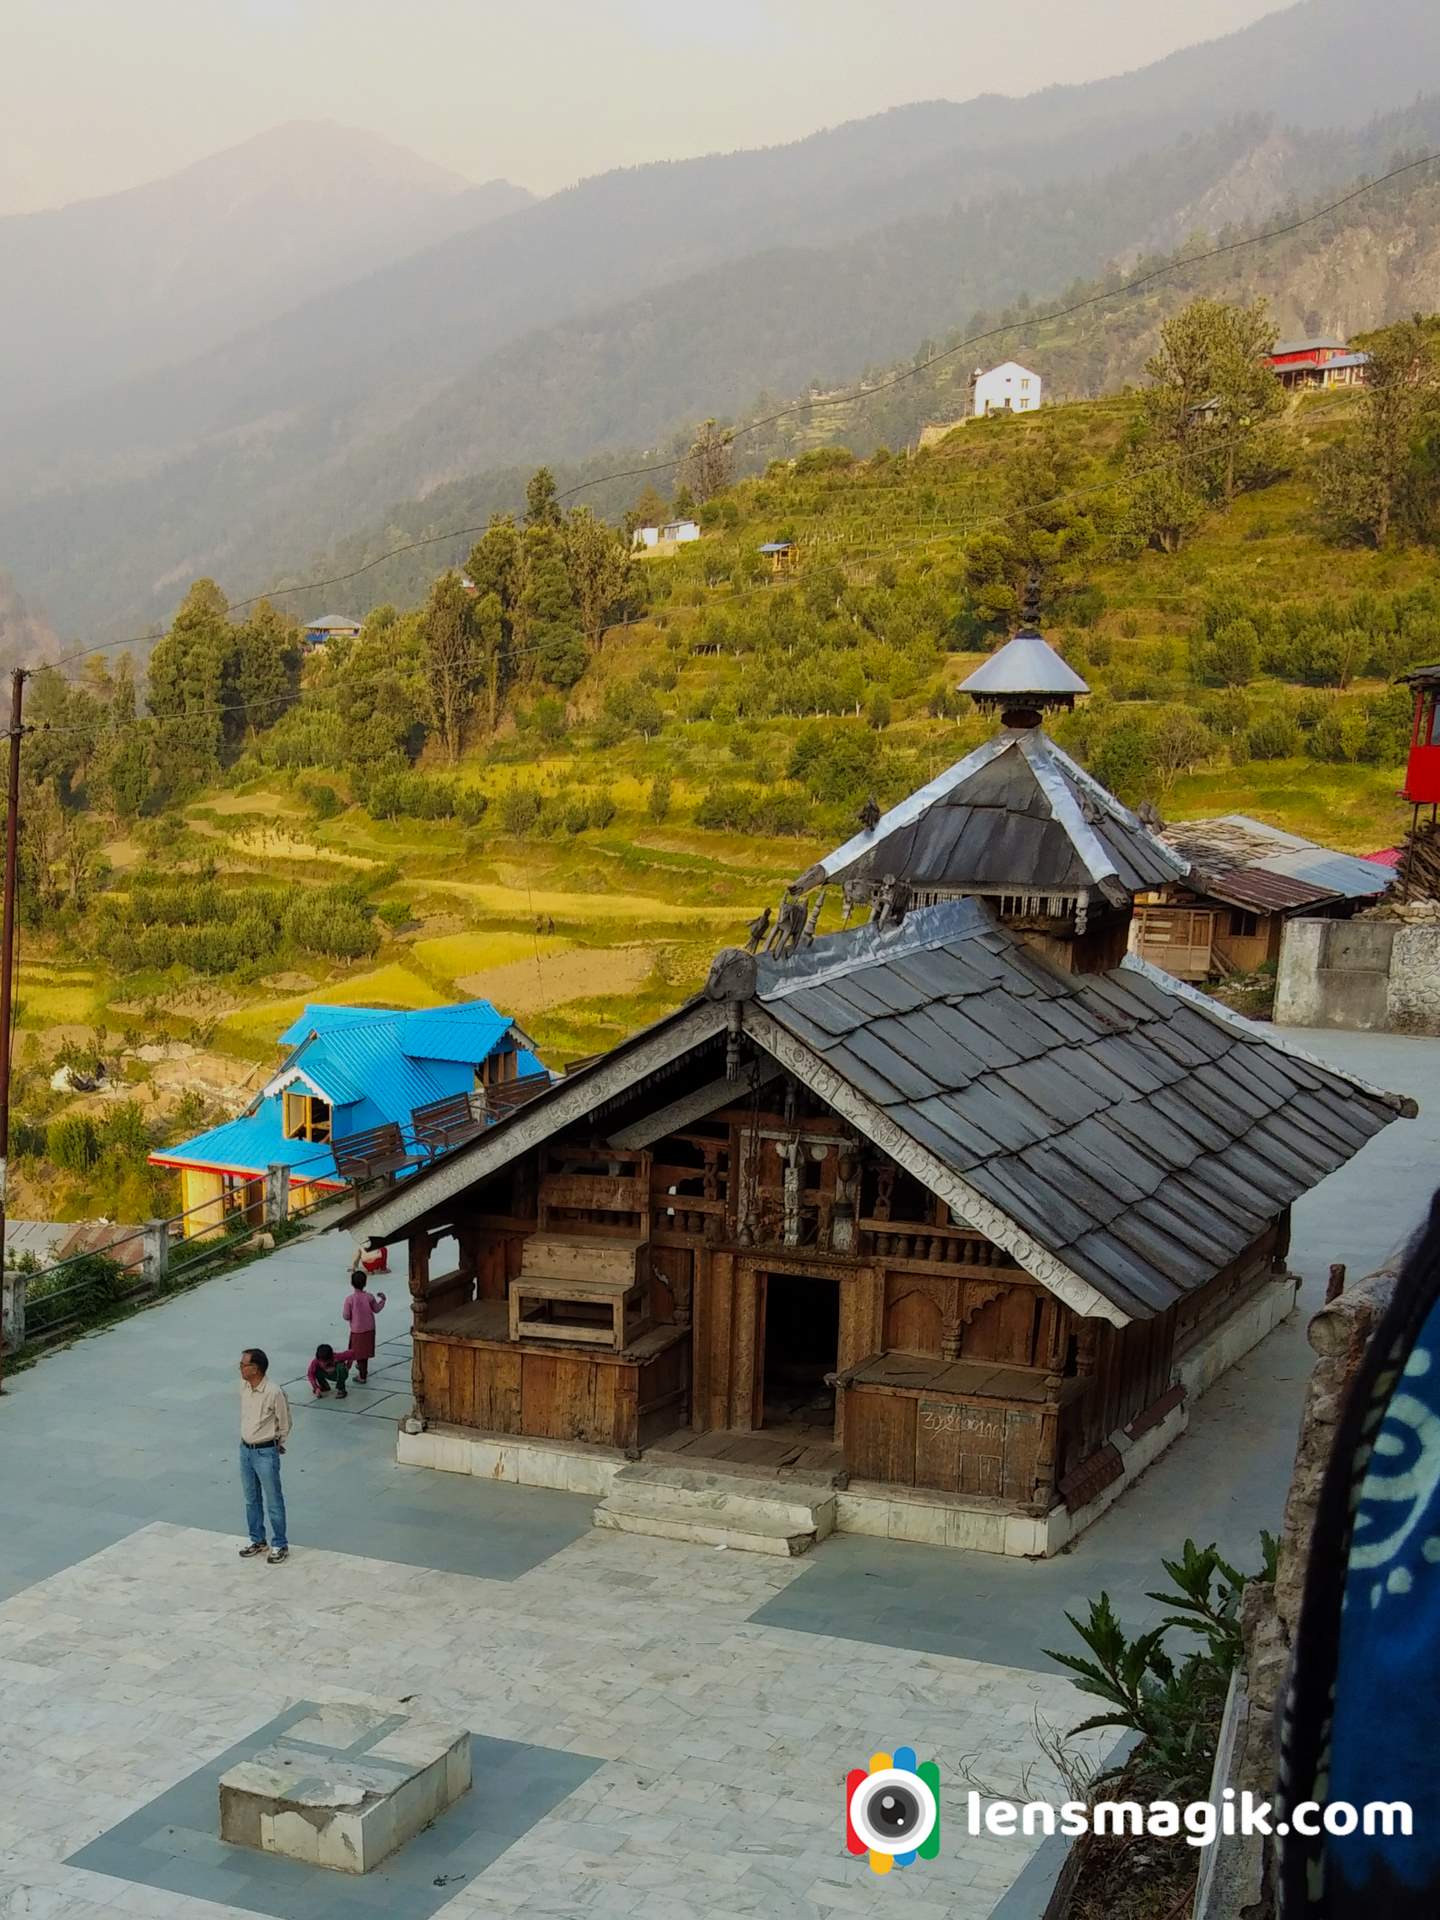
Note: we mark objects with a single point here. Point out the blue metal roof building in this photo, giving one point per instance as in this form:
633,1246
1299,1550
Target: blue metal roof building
348,1070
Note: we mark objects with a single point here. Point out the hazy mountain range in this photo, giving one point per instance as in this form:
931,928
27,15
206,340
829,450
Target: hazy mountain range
297,334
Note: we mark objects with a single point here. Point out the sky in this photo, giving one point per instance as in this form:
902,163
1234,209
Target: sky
96,97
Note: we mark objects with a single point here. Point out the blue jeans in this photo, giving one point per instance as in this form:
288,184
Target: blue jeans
260,1474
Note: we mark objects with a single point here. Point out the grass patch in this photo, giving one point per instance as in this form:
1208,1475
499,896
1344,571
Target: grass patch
42,1005
450,957
1352,808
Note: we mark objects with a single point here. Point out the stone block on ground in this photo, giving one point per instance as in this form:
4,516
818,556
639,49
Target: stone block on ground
345,1787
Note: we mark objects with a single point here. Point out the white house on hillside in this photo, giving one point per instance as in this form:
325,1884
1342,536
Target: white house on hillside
673,534
1008,388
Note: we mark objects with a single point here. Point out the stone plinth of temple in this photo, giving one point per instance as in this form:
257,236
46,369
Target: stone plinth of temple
345,1787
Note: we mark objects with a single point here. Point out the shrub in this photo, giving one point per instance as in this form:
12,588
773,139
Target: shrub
657,804
1175,1707
519,808
73,1143
1276,737
838,761
547,717
123,1131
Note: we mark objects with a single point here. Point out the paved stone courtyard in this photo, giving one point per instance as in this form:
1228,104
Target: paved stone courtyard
661,1730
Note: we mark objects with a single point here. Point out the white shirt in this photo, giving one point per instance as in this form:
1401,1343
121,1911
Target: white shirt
264,1412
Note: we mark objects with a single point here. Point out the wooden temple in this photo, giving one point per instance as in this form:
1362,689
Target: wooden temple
960,1202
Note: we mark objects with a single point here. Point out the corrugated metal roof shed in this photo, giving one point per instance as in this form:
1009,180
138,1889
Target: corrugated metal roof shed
1135,1130
1261,891
1235,841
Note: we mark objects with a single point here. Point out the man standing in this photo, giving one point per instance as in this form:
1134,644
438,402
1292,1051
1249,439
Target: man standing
264,1428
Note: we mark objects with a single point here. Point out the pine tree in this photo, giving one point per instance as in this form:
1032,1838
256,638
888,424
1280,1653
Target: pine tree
602,573
541,507
1384,478
546,614
186,684
492,651
449,660
380,696
264,670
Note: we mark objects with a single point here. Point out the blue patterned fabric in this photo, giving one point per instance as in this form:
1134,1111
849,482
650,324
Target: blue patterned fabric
1387,1688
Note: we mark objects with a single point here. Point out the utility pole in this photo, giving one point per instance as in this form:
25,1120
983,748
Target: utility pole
7,954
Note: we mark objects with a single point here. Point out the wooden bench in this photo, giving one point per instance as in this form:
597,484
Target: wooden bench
509,1094
448,1123
372,1154
581,1290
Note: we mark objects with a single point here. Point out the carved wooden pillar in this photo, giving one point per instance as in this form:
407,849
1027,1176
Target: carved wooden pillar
419,1309
1047,1457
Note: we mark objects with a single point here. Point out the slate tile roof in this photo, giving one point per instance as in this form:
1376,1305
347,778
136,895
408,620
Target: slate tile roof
1016,815
1141,1134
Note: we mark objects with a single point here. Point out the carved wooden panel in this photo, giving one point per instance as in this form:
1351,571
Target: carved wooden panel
916,1312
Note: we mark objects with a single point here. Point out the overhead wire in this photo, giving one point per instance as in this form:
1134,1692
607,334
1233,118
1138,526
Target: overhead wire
999,517
855,396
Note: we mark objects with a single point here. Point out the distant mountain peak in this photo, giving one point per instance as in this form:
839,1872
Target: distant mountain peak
296,149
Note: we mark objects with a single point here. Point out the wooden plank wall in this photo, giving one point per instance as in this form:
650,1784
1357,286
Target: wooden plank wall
976,1447
550,1396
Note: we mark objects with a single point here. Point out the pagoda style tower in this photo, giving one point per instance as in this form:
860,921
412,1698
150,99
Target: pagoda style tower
1016,822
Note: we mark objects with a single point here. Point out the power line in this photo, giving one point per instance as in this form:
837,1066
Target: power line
1206,449
855,396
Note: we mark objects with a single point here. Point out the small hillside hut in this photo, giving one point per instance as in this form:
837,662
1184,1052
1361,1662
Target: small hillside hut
953,1210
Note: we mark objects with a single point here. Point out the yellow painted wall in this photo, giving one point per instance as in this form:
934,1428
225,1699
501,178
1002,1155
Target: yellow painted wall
205,1191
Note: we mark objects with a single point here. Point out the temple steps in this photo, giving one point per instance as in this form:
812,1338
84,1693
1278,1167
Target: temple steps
751,1515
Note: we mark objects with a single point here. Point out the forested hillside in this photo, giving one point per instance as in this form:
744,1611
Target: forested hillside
1371,262
563,778
613,313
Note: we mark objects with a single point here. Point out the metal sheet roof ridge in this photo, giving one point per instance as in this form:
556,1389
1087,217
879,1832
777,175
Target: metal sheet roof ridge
905,812
1116,808
922,928
1065,809
1402,1104
1027,663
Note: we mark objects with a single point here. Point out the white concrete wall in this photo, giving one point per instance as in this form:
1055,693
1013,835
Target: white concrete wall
1368,976
1006,384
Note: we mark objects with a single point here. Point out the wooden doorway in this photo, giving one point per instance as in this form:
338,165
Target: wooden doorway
797,1344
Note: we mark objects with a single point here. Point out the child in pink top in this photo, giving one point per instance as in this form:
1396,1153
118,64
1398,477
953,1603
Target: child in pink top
359,1310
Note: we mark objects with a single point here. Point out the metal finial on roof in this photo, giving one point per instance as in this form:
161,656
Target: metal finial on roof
1025,677
1030,609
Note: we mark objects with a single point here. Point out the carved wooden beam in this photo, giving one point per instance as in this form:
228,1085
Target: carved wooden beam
698,1105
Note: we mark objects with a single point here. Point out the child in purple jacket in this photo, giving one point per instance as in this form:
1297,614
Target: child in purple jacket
359,1310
